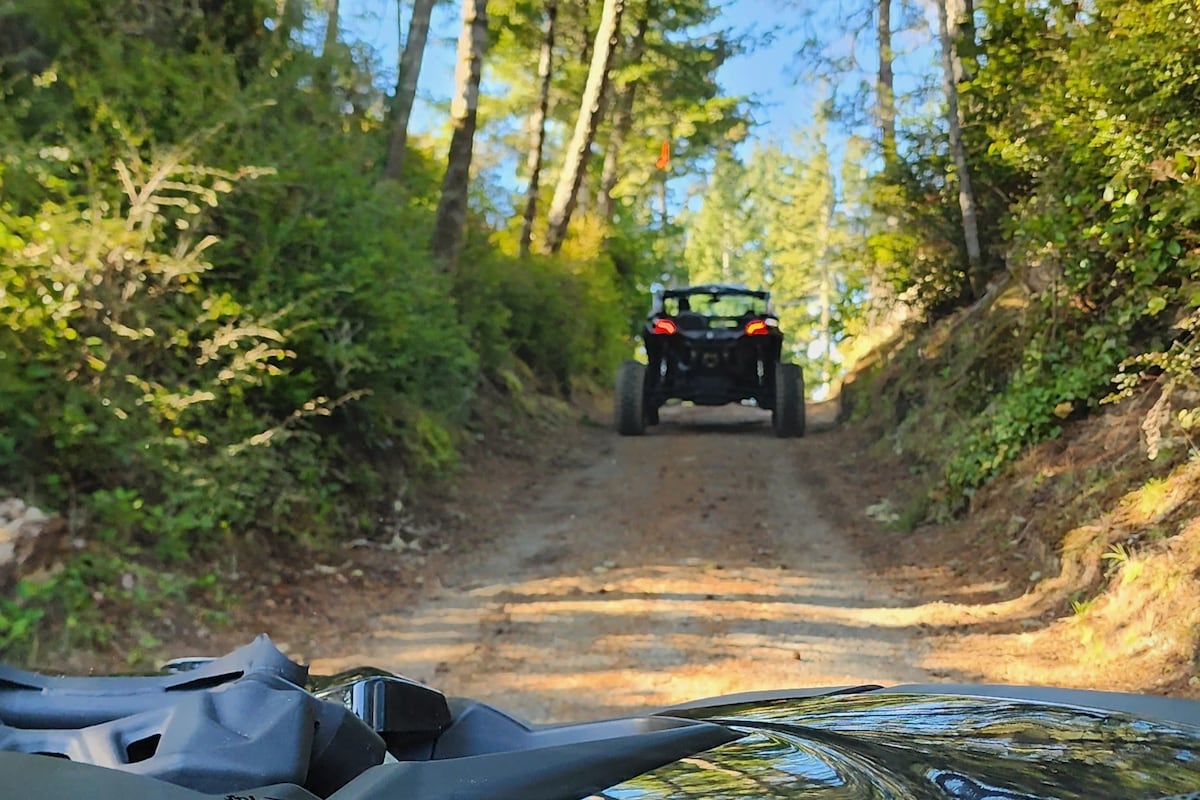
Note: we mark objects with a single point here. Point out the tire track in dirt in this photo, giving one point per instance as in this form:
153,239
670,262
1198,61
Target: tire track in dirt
685,563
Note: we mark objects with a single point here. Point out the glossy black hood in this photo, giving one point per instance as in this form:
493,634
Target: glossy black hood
900,745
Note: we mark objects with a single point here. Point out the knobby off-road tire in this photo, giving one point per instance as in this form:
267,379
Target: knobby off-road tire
630,411
787,418
653,375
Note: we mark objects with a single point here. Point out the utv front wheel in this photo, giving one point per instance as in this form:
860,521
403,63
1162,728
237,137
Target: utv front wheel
630,404
787,418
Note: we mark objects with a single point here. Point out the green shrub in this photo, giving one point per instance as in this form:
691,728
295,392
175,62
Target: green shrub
561,317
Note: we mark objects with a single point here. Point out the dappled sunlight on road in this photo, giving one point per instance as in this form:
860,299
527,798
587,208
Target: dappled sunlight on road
669,567
614,640
650,636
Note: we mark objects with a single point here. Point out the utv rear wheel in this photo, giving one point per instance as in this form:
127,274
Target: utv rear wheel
655,371
630,410
787,417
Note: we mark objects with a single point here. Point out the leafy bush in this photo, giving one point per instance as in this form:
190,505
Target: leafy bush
1082,129
561,316
116,346
194,352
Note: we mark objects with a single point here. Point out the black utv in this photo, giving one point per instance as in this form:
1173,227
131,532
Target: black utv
711,344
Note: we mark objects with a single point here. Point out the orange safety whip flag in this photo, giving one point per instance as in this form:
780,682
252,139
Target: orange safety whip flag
664,156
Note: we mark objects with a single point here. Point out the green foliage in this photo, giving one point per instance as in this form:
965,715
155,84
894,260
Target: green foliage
778,221
1176,370
122,362
346,258
1103,231
1082,136
431,443
88,601
562,317
726,234
677,99
1048,388
194,351
914,237
18,623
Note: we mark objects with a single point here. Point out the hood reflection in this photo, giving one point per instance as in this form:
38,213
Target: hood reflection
920,746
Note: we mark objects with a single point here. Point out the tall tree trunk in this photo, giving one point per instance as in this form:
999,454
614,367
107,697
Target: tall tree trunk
451,221
409,69
575,163
331,27
622,122
960,22
886,85
537,126
966,197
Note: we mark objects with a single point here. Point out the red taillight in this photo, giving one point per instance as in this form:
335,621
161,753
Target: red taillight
756,327
666,326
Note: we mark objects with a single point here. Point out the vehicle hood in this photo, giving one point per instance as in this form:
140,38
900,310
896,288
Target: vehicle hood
899,745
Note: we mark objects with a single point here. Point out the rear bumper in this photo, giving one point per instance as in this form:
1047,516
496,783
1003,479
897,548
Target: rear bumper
711,370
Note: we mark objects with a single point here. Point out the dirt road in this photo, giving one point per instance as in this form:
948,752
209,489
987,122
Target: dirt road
690,562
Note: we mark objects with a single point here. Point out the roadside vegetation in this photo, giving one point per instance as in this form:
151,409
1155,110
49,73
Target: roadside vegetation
1042,394
242,304
233,313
